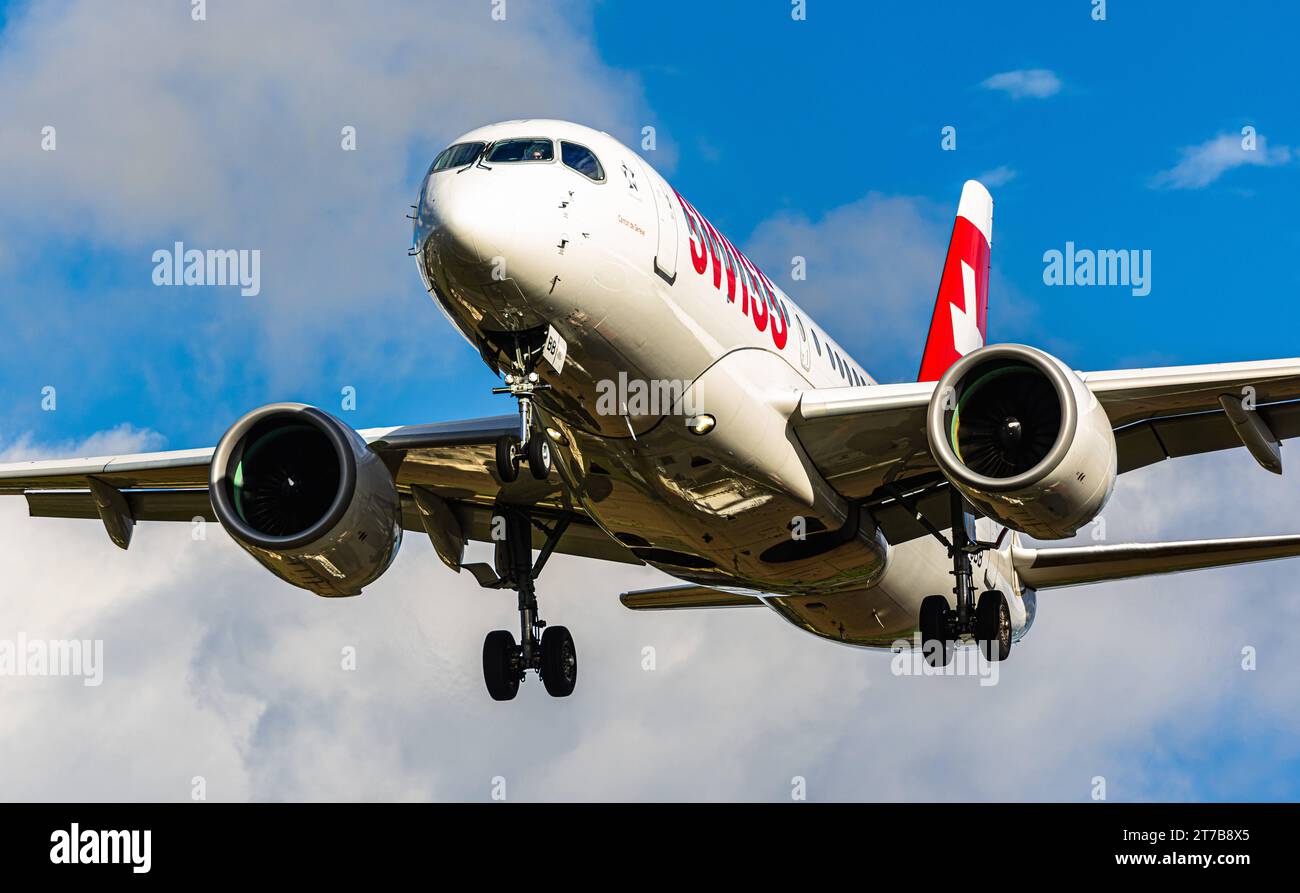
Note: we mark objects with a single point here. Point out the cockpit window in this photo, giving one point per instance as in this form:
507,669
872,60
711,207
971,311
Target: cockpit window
458,155
581,159
522,150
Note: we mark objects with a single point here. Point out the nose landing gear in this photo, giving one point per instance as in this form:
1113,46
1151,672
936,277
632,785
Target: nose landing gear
531,446
549,650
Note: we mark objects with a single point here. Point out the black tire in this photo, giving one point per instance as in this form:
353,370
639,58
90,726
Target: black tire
993,625
499,652
935,644
507,444
539,455
559,662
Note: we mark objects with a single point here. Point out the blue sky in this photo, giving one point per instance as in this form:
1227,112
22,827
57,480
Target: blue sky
809,115
820,138
765,115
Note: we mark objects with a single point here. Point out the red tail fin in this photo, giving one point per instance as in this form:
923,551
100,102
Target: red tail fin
961,311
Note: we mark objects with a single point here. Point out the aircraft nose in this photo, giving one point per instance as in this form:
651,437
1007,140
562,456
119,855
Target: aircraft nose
468,213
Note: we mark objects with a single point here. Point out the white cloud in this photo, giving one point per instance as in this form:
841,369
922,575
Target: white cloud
226,134
999,176
214,668
1200,165
1031,83
119,440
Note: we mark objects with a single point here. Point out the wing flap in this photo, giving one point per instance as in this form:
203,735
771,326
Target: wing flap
1148,442
582,537
1077,565
671,598
145,505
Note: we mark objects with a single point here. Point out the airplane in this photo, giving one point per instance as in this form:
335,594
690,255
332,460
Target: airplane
675,408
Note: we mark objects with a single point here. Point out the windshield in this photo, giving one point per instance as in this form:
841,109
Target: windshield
522,150
581,159
458,155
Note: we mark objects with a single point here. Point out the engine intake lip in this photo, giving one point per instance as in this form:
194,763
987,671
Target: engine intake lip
229,451
938,417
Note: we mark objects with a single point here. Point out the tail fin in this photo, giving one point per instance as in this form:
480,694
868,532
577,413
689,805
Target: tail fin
961,311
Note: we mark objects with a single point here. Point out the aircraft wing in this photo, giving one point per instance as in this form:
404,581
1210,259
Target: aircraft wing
1076,565
870,442
452,462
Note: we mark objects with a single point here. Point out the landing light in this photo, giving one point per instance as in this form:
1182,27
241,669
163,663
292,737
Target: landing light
701,424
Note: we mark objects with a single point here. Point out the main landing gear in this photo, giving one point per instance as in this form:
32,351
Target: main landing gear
988,623
546,649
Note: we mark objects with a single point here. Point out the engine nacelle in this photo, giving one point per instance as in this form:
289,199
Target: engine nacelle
1024,440
304,495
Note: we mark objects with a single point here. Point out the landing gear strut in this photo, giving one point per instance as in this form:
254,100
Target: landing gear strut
547,650
531,446
988,623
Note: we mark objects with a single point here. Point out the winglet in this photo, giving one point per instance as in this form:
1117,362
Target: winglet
960,318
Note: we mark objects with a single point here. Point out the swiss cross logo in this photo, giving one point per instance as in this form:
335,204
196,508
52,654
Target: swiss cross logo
961,309
966,335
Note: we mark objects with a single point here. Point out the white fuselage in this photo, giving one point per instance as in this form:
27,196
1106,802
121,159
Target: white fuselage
664,322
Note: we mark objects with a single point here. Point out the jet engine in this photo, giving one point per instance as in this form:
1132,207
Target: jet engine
303,494
1020,435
